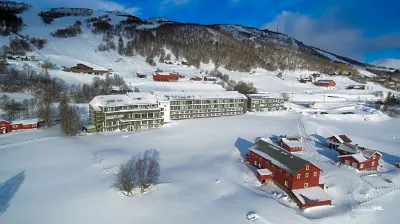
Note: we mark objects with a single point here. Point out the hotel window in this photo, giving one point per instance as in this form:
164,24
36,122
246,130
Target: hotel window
307,175
298,176
315,174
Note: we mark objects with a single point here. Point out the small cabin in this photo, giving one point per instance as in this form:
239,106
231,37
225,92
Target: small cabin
196,78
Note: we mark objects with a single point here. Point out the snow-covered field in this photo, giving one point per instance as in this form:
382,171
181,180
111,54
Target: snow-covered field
203,179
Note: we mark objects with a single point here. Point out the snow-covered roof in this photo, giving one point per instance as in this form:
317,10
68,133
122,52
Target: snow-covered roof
27,121
265,96
278,156
342,138
292,142
311,194
122,100
176,95
164,73
347,148
264,172
359,157
367,153
325,81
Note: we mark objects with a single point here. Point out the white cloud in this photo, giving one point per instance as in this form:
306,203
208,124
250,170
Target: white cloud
113,6
389,63
175,2
322,33
331,34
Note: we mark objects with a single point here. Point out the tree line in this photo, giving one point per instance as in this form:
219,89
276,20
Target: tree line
69,31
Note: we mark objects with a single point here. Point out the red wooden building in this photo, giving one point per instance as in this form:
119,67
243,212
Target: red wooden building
365,159
291,173
335,141
196,78
291,144
6,126
165,77
330,84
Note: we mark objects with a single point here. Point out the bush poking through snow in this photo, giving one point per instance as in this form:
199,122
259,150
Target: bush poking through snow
139,171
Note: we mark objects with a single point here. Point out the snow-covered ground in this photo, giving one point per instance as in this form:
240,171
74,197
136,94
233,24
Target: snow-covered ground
47,178
203,178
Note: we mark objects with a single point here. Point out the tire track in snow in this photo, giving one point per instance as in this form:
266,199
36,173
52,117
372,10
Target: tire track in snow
9,145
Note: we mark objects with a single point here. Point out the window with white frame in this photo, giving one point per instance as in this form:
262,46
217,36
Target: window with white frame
286,183
305,185
307,175
307,167
373,163
315,174
361,166
373,157
347,162
298,176
354,164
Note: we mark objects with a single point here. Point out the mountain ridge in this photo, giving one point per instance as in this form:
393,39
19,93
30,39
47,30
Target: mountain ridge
235,47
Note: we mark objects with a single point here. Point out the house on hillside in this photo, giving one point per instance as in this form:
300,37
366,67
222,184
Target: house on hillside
335,141
296,176
361,159
81,68
329,84
19,125
292,144
165,77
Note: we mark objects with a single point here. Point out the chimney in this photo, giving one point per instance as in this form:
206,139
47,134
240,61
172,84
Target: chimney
356,147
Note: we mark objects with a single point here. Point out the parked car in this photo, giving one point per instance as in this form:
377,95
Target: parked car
252,216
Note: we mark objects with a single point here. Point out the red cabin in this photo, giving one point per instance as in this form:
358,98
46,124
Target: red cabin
291,144
5,127
363,160
196,78
289,172
165,77
330,84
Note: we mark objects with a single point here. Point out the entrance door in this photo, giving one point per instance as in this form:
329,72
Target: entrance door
3,130
131,128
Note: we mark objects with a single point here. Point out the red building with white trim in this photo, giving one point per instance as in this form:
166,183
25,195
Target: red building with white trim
361,159
291,144
6,126
165,77
330,84
289,172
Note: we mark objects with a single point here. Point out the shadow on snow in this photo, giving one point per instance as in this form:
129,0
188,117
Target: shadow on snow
243,146
8,189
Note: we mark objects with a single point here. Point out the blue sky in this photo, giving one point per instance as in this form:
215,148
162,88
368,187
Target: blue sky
366,30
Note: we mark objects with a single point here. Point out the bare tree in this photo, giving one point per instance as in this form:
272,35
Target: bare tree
286,96
126,177
152,158
141,171
69,119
